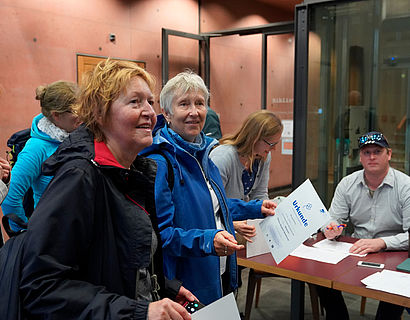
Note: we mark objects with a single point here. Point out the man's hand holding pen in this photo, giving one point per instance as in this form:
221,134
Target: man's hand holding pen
334,230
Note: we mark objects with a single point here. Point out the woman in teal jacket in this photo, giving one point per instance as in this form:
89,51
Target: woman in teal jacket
194,215
48,130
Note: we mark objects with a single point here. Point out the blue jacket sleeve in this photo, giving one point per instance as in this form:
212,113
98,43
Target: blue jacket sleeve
242,210
175,240
25,171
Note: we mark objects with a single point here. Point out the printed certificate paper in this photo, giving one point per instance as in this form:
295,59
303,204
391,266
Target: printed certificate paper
222,309
297,217
258,245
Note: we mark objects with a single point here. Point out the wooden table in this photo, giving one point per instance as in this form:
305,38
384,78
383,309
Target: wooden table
344,276
351,280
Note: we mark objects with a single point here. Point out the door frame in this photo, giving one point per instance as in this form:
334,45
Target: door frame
204,39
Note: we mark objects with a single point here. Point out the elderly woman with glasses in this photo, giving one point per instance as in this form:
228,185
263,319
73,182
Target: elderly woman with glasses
243,159
194,214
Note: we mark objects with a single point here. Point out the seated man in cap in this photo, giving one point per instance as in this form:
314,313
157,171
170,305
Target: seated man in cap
376,202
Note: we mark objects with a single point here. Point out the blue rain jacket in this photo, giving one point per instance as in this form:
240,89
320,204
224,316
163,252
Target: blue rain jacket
186,216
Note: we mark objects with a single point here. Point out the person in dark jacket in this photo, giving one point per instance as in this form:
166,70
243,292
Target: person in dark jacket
194,214
212,126
91,249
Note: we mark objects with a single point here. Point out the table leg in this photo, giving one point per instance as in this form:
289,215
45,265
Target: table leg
297,302
252,280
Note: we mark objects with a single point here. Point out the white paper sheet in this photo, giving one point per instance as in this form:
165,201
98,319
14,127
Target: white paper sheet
301,214
338,246
222,309
389,281
317,254
258,245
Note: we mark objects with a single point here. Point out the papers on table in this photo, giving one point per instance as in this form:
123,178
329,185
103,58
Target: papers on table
222,309
389,281
301,214
258,245
317,254
338,246
325,251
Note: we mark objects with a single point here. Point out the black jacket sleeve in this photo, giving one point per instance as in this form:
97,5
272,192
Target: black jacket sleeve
172,288
57,248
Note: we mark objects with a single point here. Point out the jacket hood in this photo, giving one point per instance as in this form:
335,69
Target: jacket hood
158,141
160,138
37,133
161,141
161,122
78,145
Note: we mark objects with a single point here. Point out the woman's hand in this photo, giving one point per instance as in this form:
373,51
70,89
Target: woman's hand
166,309
333,230
225,244
5,169
268,208
184,295
244,229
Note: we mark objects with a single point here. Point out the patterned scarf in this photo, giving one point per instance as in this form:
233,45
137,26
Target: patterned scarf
52,130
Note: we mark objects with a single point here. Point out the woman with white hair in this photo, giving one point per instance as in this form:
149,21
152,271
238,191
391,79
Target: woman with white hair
194,215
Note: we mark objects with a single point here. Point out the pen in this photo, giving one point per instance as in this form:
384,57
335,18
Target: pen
340,225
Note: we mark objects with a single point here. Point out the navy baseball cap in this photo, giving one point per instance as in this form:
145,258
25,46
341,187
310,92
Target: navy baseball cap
373,137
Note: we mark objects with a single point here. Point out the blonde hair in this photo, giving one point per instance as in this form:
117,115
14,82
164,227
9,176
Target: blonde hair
102,86
258,125
59,96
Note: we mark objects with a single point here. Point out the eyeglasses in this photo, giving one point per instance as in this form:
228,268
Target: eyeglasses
271,145
371,137
368,153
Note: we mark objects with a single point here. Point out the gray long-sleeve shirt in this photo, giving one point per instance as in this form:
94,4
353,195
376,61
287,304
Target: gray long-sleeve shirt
384,215
227,160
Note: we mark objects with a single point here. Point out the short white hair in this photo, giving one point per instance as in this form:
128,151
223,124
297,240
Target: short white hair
179,85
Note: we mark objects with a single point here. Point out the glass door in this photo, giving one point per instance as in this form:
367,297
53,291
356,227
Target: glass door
357,81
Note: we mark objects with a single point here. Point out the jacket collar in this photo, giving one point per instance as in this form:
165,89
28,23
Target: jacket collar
104,156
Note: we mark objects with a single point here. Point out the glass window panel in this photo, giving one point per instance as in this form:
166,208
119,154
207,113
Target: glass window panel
359,61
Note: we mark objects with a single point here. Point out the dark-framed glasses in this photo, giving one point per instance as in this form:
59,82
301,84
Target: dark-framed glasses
72,111
271,145
376,153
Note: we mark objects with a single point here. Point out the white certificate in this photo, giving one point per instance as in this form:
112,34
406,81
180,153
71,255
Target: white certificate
297,217
222,309
258,245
